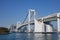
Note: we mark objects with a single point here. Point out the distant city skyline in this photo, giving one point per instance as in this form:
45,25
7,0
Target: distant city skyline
12,11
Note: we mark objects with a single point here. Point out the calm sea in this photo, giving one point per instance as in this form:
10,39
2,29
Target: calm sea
29,36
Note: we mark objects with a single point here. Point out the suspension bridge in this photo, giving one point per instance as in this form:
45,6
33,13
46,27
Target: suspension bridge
39,25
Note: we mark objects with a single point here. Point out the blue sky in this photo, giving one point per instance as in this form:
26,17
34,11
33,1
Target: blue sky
12,11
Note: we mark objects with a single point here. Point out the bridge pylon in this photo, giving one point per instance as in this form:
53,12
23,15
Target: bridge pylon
17,26
31,13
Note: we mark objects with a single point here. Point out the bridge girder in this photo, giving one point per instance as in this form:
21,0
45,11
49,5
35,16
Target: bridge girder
52,17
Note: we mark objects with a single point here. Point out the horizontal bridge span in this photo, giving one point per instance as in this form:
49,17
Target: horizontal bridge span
52,17
22,25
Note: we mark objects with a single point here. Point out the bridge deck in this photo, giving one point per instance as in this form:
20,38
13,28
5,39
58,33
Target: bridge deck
52,17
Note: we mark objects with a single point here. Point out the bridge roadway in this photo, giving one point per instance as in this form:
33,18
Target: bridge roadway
52,17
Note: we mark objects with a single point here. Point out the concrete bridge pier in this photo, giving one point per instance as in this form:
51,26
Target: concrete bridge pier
48,27
39,26
58,22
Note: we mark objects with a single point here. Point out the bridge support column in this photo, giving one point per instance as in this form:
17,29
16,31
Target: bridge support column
58,23
29,22
39,26
31,12
17,26
48,27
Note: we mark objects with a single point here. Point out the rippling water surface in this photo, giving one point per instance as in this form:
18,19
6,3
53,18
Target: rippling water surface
30,36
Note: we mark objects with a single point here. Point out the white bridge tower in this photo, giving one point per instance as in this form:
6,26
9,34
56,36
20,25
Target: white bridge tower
38,25
31,13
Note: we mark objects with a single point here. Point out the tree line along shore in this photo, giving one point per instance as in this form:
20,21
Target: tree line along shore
4,30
